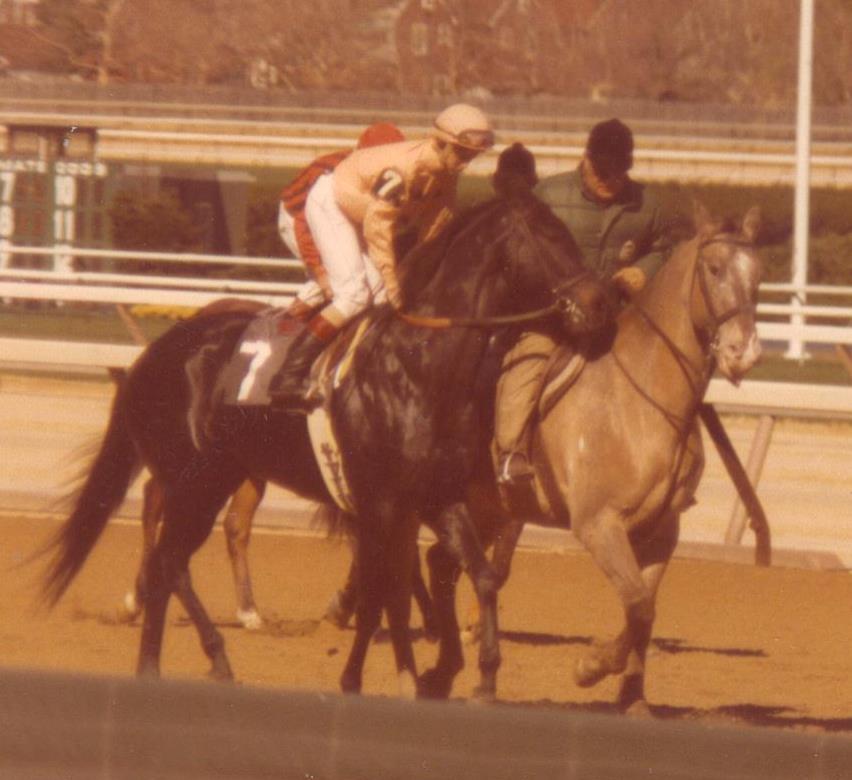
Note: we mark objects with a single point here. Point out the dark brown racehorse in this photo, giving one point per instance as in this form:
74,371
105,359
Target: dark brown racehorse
408,415
619,456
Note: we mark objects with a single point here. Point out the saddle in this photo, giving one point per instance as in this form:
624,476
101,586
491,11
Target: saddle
237,371
242,377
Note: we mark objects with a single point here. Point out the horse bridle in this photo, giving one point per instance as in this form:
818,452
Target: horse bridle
717,320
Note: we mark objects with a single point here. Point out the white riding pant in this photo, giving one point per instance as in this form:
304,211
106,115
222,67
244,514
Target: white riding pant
287,230
354,280
310,292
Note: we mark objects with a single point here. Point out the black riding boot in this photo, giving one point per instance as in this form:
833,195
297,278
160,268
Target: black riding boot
288,389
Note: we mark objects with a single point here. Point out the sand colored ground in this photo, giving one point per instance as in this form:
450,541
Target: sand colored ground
733,643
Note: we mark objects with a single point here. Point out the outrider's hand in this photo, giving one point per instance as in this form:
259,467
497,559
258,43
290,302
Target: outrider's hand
629,280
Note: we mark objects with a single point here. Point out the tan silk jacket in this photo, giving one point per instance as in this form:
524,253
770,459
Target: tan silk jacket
384,189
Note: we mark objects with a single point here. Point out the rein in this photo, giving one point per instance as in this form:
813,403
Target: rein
562,304
421,321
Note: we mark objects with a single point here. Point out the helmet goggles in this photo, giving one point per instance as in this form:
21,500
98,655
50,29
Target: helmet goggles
473,139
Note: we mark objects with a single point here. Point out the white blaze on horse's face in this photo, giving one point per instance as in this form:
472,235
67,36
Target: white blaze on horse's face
737,347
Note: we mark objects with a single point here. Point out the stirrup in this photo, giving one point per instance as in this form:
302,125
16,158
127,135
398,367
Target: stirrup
514,469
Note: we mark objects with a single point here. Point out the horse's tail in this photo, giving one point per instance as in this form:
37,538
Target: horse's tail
101,493
333,520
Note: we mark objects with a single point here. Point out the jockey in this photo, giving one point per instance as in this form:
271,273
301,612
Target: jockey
293,225
354,214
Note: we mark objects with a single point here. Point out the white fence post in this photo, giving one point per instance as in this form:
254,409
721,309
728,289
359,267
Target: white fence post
801,226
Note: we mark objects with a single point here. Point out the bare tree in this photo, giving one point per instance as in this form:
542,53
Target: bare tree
82,31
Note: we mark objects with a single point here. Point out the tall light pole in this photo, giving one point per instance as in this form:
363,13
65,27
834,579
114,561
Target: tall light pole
801,216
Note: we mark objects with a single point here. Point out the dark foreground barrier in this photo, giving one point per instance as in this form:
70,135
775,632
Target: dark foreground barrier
54,726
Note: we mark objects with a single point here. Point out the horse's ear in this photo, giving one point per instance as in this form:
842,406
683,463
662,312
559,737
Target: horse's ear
752,223
704,224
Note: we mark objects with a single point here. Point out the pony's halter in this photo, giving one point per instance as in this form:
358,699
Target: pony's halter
716,319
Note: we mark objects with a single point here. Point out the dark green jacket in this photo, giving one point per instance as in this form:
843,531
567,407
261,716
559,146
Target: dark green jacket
601,231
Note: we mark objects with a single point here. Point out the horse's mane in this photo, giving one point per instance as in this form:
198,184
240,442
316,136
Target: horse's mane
420,264
520,217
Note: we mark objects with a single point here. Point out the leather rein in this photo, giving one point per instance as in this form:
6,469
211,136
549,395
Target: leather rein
562,305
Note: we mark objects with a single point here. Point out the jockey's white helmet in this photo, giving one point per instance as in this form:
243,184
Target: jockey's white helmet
466,126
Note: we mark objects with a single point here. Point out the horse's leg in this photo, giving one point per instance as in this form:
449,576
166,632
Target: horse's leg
237,523
653,557
211,640
459,538
367,565
343,603
424,602
505,542
152,514
506,536
444,570
188,518
609,544
399,565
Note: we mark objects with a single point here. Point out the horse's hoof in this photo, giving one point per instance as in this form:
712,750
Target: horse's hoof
588,673
148,672
434,684
407,685
130,608
336,613
484,694
349,683
631,697
638,709
250,619
221,671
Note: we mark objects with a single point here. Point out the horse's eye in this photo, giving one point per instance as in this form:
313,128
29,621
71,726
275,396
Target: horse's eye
714,268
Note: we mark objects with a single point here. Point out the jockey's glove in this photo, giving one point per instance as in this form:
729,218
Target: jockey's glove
394,297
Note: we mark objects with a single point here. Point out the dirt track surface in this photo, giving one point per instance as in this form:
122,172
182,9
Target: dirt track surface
733,643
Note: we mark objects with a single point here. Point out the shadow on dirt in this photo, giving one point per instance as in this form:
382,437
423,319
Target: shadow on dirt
729,715
661,644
